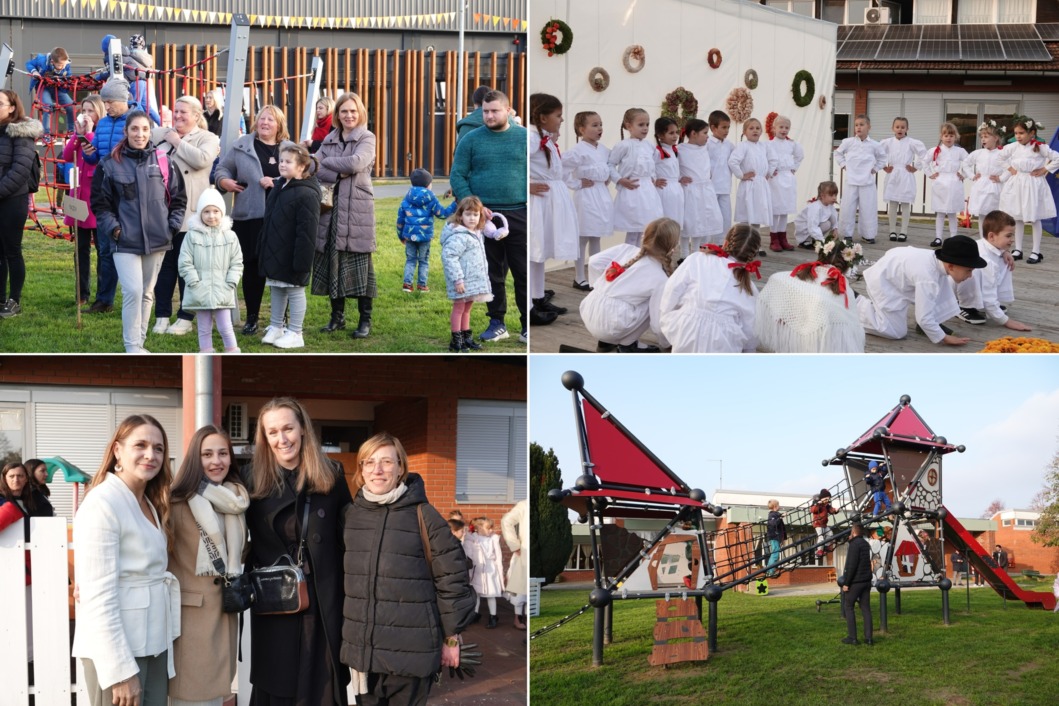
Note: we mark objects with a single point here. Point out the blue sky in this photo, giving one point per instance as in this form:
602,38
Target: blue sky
768,421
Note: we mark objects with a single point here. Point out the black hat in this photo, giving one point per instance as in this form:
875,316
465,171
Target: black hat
960,250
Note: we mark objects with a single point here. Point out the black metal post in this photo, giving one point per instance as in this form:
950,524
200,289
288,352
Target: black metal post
882,611
712,627
608,624
897,600
945,605
597,637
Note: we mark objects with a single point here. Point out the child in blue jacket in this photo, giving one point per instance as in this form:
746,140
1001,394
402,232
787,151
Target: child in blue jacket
415,226
53,98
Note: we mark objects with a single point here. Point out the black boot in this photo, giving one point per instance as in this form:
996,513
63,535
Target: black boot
364,325
492,622
469,342
338,316
456,345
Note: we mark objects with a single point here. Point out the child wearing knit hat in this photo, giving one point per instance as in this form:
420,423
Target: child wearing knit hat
211,263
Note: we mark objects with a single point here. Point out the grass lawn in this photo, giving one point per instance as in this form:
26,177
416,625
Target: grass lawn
779,650
401,322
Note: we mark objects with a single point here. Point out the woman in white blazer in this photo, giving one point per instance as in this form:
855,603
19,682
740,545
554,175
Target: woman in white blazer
128,612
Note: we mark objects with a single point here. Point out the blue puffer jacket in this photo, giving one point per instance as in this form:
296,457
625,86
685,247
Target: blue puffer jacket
41,63
109,132
463,257
132,194
415,217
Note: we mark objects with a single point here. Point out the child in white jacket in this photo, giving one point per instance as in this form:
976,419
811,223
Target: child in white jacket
211,263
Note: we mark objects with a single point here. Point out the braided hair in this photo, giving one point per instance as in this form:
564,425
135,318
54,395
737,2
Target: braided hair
660,237
542,104
742,243
627,119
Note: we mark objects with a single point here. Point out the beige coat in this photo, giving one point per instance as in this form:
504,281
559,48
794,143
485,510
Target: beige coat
355,206
515,528
205,652
193,157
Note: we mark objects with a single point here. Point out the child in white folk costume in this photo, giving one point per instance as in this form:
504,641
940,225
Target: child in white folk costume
946,188
819,217
627,290
483,549
983,168
785,156
553,218
587,173
1026,195
720,150
906,277
861,157
667,169
981,296
904,156
750,165
702,217
211,263
808,310
632,169
708,303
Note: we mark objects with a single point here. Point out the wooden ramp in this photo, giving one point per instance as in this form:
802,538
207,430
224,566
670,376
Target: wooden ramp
679,636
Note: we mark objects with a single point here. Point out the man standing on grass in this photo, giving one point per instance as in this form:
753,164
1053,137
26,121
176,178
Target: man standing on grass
856,586
490,163
1000,557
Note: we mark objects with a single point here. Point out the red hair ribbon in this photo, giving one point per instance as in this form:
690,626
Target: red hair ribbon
835,275
937,151
812,200
662,152
544,145
811,266
613,271
753,267
715,249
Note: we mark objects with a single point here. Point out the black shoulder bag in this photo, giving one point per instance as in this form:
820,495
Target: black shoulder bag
281,589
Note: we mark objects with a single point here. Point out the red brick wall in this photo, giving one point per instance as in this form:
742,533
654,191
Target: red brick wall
1023,552
96,370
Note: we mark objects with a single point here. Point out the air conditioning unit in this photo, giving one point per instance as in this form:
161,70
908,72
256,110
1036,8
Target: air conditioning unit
237,422
877,16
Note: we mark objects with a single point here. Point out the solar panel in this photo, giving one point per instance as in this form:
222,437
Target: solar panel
971,50
1048,32
1026,50
867,32
938,50
898,51
843,32
978,32
1016,31
943,32
854,50
904,32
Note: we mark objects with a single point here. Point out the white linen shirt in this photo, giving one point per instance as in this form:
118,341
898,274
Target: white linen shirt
908,276
861,159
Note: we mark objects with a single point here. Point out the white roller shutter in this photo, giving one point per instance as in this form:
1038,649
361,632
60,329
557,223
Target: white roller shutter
78,433
491,453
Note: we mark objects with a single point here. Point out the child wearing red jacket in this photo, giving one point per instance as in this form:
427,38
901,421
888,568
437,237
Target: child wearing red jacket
821,509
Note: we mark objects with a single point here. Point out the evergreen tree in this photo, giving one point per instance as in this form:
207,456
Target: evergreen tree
1047,532
550,537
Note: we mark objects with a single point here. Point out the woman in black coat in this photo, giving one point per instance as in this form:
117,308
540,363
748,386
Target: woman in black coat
403,614
18,151
294,658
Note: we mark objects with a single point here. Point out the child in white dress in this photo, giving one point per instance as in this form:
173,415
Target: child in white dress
785,156
632,169
946,189
553,218
818,219
702,217
750,165
627,284
667,169
981,296
720,150
1026,195
983,168
587,173
808,309
861,157
904,155
487,577
708,303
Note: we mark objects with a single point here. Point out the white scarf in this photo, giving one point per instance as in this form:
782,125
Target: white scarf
230,501
385,498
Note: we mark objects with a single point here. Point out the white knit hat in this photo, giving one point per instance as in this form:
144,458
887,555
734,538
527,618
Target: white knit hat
210,197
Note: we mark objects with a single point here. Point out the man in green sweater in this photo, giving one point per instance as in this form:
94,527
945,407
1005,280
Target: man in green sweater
490,163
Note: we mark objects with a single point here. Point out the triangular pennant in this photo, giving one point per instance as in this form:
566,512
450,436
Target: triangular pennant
371,20
507,22
124,7
525,25
134,8
62,2
331,22
496,20
112,4
169,13
391,21
187,14
159,12
211,17
197,14
478,17
286,21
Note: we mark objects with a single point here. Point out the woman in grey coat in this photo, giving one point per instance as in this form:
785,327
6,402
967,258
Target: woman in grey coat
248,169
346,237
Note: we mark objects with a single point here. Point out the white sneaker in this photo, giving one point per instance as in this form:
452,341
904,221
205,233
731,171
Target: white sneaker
160,325
290,339
272,333
180,327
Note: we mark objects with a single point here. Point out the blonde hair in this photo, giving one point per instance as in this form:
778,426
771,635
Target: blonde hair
742,243
659,239
380,441
581,121
97,105
629,116
751,120
362,112
780,119
483,522
315,472
328,101
196,109
774,504
282,133
949,129
218,100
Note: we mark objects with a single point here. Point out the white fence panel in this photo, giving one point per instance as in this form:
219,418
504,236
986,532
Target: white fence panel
13,646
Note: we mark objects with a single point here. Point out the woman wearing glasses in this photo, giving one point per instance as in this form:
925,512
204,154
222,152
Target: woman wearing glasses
297,498
408,596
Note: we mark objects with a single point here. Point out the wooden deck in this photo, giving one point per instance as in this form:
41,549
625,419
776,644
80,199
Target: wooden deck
1036,295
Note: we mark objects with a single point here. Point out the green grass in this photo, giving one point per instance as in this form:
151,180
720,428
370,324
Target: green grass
780,650
401,322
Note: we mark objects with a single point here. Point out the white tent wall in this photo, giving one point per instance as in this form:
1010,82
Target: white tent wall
676,36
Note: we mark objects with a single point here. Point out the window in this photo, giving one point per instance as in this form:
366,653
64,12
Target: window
1025,524
932,12
580,559
797,7
491,452
968,116
12,434
995,11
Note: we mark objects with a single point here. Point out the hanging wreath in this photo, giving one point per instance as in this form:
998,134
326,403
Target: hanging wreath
713,58
769,120
599,79
750,79
680,105
803,98
633,52
822,102
740,104
549,39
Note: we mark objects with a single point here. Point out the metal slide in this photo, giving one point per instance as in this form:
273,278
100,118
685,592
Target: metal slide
996,577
